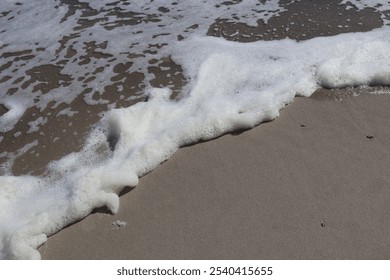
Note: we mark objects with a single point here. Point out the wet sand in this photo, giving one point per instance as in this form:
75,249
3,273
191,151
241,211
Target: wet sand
59,135
312,184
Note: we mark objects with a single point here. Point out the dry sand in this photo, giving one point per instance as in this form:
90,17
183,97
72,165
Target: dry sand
309,185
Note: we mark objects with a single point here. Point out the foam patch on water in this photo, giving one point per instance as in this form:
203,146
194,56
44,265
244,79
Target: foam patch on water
83,42
58,54
382,6
233,86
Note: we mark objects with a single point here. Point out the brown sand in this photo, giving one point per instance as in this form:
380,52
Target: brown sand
309,185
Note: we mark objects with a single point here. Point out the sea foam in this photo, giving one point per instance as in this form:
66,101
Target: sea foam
230,86
379,5
234,86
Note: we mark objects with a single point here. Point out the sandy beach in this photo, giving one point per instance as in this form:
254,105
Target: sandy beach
313,184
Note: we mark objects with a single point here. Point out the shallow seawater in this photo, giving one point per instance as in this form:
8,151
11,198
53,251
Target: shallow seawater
70,71
83,58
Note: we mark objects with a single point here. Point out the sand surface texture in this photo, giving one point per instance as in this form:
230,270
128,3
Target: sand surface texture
311,184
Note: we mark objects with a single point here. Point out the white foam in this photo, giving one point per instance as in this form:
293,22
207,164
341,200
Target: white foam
230,86
52,22
67,112
381,6
234,86
15,112
5,167
35,124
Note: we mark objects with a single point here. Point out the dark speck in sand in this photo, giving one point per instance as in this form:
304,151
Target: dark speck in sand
119,224
370,137
322,224
302,125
